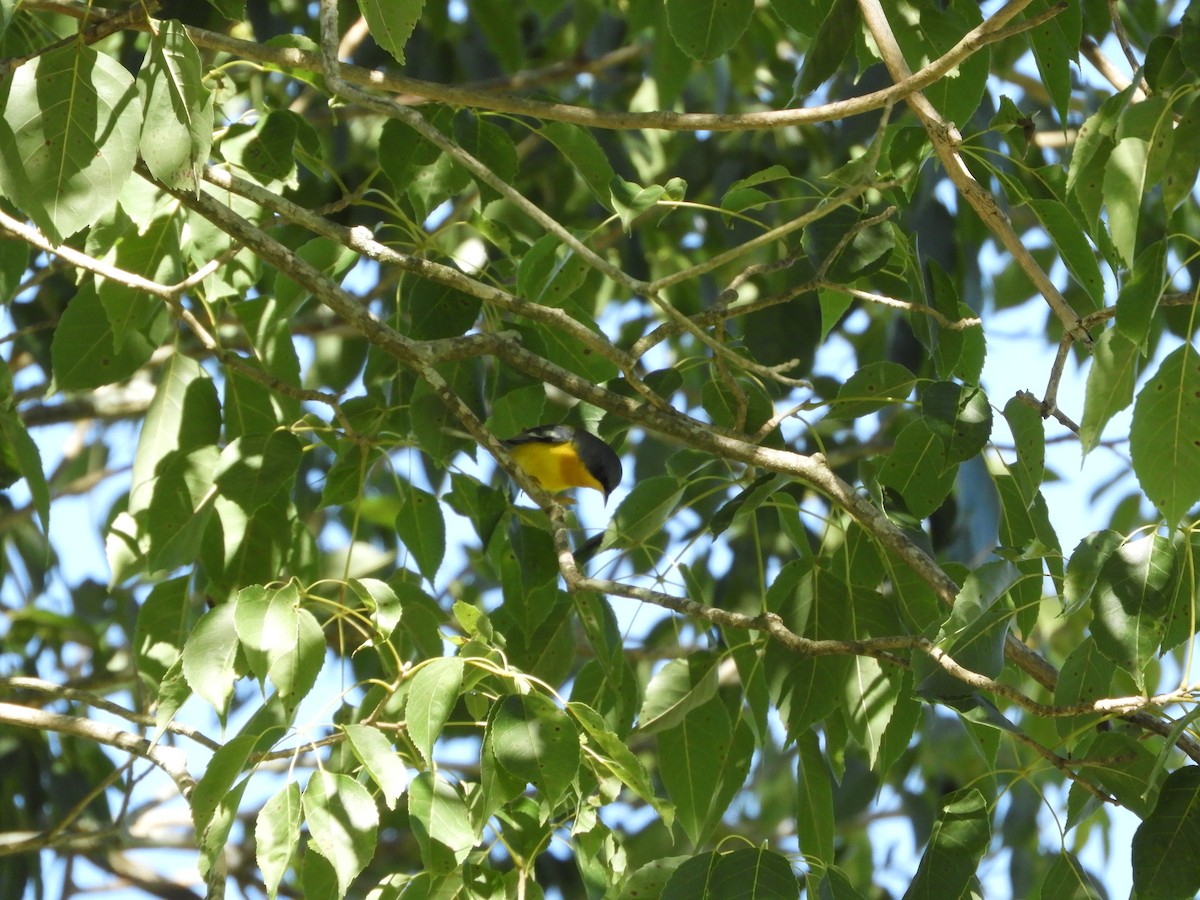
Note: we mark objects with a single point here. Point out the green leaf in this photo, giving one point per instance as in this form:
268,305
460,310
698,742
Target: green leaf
392,22
748,874
437,310
184,415
1029,436
805,690
642,514
613,754
565,350
233,10
814,800
537,742
241,548
14,260
916,467
173,527
504,35
1179,179
1096,137
677,688
213,790
1110,385
743,408
869,695
651,879
957,844
177,129
432,696
343,822
383,603
491,145
22,454
82,353
1140,292
873,387
378,756
1166,846
765,176
1066,879
164,621
68,137
1086,676
333,260
926,33
1077,254
422,529
631,200
962,415
255,468
173,691
276,836
1124,185
1055,45
709,759
975,633
511,414
210,655
834,306
265,151
1083,568
585,154
283,641
440,822
402,151
1130,602
549,273
1165,438
704,29
745,502
154,253
830,48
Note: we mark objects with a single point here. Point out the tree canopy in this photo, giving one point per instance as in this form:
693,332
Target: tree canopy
282,616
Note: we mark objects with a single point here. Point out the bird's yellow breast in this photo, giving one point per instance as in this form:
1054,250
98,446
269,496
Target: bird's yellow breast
555,466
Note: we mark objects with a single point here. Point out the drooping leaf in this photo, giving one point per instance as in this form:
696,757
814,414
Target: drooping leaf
392,22
1165,844
1165,438
276,835
959,838
431,698
343,822
1115,362
178,107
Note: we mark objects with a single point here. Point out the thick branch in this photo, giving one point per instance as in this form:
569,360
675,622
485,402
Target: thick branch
170,759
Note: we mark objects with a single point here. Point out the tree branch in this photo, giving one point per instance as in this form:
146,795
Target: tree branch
987,32
170,759
946,141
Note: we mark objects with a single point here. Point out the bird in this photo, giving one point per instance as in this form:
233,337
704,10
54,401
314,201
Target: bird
559,457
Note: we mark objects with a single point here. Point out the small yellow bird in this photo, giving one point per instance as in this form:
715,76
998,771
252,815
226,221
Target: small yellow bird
559,457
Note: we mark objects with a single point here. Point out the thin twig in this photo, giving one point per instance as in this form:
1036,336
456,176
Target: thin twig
1030,399
908,306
